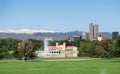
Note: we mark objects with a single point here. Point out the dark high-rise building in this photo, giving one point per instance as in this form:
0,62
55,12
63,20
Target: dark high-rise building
115,34
93,31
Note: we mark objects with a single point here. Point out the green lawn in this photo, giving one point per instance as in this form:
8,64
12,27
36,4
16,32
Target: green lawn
63,67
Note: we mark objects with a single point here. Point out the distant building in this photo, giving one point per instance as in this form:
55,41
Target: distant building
66,38
104,35
87,34
93,32
115,34
84,35
76,37
100,38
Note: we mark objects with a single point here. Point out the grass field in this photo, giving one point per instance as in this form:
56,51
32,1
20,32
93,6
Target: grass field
61,67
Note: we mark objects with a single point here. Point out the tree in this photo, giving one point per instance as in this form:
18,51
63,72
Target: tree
26,49
115,48
7,46
3,52
105,47
106,44
38,43
87,48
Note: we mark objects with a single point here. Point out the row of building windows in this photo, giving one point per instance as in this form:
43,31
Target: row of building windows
55,52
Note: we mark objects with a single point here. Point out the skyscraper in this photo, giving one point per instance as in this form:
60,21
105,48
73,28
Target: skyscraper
115,34
93,32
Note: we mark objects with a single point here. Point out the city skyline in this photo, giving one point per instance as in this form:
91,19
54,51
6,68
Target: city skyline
60,15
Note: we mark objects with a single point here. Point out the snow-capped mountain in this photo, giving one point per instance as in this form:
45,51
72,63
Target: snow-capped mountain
28,31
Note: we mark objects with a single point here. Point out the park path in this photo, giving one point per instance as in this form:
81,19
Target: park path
82,59
48,59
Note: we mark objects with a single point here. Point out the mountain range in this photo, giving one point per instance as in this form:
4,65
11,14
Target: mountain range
40,34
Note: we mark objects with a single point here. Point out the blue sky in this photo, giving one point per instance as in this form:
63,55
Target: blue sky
60,15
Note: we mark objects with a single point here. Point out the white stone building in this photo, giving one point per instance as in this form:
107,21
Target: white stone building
57,50
63,50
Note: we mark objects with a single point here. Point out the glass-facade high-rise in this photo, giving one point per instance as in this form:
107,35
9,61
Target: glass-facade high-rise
115,34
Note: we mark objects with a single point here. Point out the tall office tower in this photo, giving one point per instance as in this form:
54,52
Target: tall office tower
115,34
93,32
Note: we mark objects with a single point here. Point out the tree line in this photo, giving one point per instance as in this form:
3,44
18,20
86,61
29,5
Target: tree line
19,49
25,49
107,48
